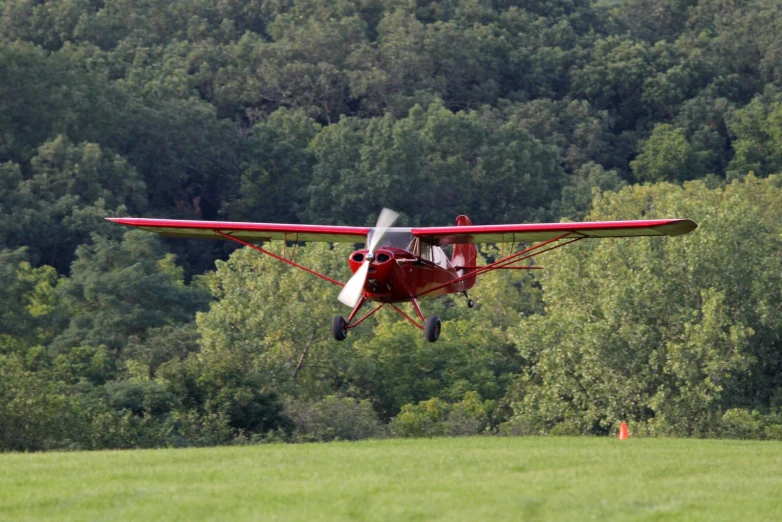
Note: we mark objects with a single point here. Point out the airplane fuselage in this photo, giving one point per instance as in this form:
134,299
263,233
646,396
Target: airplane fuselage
396,275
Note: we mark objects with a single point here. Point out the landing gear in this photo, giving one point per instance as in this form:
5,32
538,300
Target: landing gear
432,328
470,302
339,328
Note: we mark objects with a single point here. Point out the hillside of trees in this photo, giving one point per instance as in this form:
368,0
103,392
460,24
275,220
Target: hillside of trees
325,111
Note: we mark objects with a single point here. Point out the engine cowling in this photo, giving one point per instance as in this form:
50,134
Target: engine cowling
380,269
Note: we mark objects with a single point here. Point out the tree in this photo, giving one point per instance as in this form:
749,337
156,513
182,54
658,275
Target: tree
580,133
36,412
655,20
758,139
272,320
304,66
704,120
71,189
613,76
585,182
668,332
59,93
668,156
520,176
119,289
277,169
495,172
28,303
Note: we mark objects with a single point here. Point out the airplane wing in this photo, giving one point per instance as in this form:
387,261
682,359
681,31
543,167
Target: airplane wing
531,233
519,233
250,232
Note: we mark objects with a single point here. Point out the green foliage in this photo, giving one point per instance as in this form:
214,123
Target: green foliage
269,320
739,423
668,156
310,111
434,418
470,416
666,332
590,179
113,429
139,397
71,189
28,302
277,170
50,94
757,131
95,365
159,345
424,419
580,132
613,77
36,411
122,289
501,172
333,418
401,367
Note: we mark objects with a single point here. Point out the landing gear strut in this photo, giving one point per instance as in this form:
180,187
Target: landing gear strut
470,302
430,326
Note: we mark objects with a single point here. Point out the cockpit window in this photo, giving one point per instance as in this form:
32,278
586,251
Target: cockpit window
432,253
395,238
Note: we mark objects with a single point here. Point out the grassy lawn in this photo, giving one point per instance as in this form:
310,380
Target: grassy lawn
554,478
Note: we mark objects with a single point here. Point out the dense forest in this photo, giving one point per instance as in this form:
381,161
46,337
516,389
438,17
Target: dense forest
325,111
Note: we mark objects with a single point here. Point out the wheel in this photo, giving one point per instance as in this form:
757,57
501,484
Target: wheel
470,303
432,328
339,328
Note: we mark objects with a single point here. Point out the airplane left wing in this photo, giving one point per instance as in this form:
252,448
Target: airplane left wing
250,232
534,232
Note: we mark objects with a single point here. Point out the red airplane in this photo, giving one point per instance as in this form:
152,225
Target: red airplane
409,264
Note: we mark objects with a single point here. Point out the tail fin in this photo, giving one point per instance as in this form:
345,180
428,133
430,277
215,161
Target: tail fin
464,255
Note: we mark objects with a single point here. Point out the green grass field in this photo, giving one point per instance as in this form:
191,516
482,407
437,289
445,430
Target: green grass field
553,478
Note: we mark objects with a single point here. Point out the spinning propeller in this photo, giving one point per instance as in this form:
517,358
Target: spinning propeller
351,293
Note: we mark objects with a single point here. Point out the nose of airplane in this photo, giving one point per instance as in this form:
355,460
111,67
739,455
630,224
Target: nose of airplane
380,265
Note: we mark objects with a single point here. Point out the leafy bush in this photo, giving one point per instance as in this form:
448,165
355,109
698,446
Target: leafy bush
470,416
424,419
188,428
738,423
140,397
36,412
434,418
333,418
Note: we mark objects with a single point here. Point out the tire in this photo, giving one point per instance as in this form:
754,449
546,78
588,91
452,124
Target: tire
339,328
432,328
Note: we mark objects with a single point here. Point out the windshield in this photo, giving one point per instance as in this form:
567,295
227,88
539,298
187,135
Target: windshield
395,237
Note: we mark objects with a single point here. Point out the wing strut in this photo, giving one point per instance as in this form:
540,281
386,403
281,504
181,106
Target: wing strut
513,258
280,258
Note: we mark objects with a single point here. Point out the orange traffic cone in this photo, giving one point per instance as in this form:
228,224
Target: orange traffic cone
624,433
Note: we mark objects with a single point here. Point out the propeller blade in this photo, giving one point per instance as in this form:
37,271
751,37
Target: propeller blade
351,292
384,221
